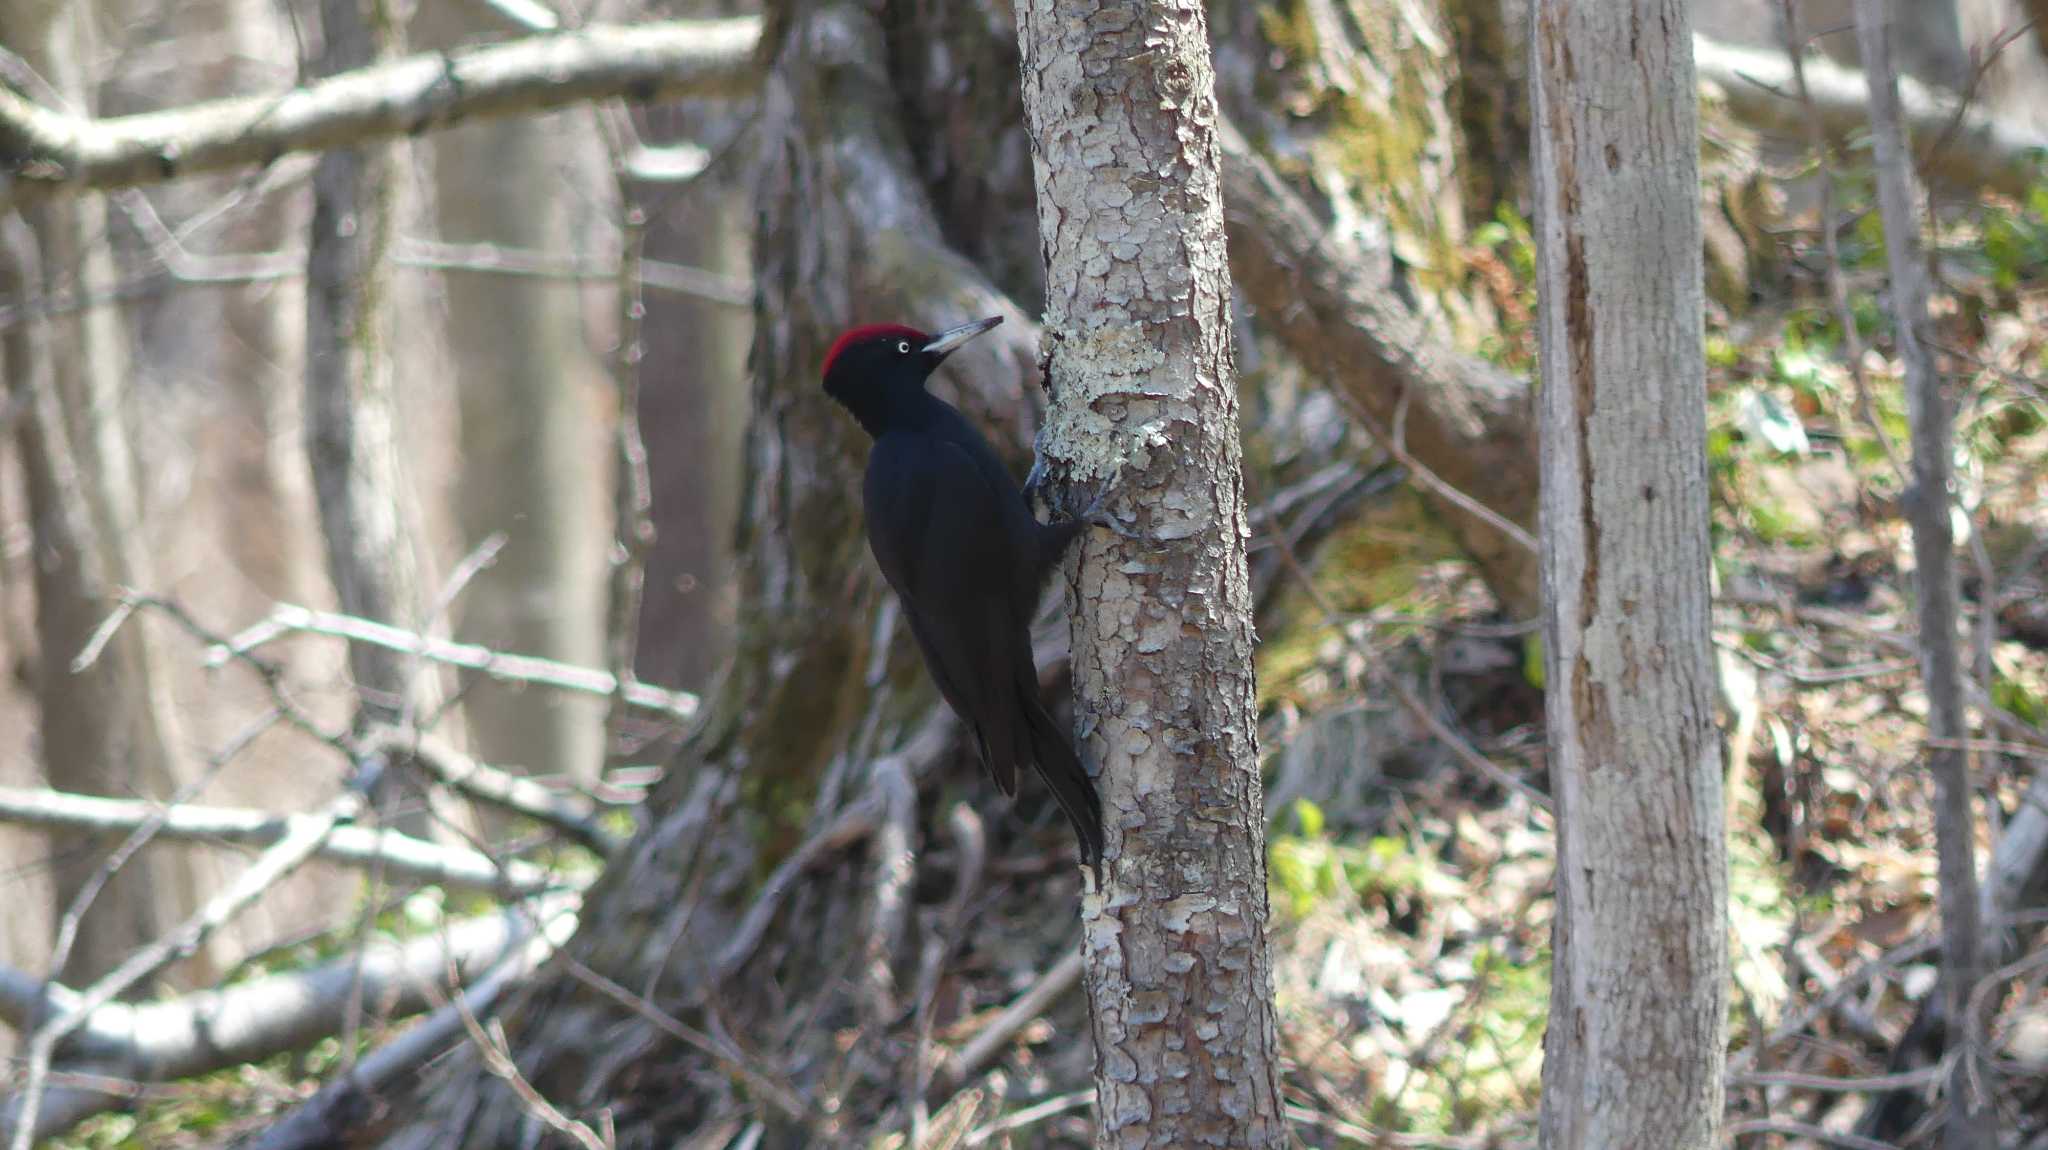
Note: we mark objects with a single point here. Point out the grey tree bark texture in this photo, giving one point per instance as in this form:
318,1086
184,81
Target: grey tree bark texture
366,508
1970,1122
1638,1002
108,728
1121,101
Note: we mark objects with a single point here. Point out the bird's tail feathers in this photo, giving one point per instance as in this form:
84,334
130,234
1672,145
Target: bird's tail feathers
1068,780
1000,757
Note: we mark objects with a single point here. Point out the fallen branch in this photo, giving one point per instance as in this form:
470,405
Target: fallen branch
351,1096
403,855
211,1030
1461,424
43,151
1761,90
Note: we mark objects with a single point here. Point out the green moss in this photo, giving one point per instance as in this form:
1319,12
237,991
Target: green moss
1368,138
1376,563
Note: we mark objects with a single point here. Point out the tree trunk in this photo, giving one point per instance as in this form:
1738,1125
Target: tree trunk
108,728
1970,1124
367,510
1638,1006
532,462
1124,125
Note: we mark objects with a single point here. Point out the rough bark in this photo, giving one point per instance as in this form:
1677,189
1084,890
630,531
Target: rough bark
530,448
108,728
1125,133
367,510
1970,1123
1634,1051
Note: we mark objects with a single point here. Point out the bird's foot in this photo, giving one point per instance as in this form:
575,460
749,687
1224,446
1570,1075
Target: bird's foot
1093,500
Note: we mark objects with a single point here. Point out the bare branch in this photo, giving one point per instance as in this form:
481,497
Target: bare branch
778,1093
893,866
314,1123
856,822
1806,1130
632,485
286,618
498,259
571,814
496,1056
404,855
1970,1118
1818,145
50,152
1029,1005
1463,425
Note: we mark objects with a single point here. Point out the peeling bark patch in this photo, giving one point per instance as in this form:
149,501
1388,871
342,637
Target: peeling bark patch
1579,335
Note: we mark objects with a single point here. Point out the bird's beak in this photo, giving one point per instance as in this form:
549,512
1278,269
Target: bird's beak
944,343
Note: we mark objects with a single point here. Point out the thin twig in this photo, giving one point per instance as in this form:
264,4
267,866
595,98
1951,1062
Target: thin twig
493,1050
1806,1130
1421,473
972,841
570,814
780,1094
313,1123
1031,1115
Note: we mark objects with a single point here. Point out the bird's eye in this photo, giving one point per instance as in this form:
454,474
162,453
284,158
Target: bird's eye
902,347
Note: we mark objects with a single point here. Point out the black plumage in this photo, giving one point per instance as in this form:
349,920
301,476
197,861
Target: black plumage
955,537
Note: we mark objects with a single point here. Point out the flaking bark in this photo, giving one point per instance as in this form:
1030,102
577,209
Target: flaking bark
1638,1009
1122,107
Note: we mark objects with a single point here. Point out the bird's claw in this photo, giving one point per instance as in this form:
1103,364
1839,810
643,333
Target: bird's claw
1059,498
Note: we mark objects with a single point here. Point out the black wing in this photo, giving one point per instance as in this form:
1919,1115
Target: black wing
938,530
946,537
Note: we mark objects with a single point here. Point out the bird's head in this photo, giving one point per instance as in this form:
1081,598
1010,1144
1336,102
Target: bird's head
870,367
